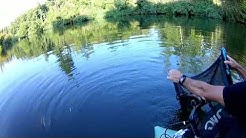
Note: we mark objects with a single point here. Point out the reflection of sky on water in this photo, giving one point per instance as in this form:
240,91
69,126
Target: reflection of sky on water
115,87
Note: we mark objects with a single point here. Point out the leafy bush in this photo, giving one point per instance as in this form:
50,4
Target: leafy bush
206,9
181,8
7,41
59,13
234,11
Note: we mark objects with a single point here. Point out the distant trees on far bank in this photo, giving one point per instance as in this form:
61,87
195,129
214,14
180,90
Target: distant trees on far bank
58,14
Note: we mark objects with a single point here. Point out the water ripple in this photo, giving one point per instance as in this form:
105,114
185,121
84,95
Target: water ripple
116,88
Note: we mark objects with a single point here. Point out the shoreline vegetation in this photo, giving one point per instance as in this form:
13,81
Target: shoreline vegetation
56,15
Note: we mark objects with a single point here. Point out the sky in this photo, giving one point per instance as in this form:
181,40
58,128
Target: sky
10,9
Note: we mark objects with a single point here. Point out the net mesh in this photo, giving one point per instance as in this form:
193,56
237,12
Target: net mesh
215,75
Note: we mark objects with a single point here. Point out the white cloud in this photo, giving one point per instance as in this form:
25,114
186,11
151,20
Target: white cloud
10,9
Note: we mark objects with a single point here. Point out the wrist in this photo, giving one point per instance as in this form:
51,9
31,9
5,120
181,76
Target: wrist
182,79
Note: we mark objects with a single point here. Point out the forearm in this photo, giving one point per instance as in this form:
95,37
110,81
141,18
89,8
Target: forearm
200,88
203,89
195,86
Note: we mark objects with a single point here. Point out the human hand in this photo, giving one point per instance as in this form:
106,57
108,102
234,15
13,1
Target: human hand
174,75
232,63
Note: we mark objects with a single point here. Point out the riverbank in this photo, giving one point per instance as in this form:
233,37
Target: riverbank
57,15
234,11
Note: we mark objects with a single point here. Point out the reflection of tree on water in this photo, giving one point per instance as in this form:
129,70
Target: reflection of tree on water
187,40
65,60
190,43
87,50
181,37
234,35
65,57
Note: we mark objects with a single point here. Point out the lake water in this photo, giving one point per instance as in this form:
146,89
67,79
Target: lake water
107,78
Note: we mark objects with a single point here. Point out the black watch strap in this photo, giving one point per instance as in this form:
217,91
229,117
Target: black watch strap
182,79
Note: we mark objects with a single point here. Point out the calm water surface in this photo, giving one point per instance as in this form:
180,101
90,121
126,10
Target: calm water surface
106,79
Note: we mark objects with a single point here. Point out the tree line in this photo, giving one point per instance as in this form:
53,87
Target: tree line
59,14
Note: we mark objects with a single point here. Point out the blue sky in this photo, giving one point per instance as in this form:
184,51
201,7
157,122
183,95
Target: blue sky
10,9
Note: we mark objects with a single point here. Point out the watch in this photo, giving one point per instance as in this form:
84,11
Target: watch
182,79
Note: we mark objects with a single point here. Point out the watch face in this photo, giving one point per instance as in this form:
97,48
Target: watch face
181,80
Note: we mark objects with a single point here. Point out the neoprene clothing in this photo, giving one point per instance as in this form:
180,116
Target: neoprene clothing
235,103
235,100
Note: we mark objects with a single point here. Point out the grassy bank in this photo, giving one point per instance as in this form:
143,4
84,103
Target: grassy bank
206,9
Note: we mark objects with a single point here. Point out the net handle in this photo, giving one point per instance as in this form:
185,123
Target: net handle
227,67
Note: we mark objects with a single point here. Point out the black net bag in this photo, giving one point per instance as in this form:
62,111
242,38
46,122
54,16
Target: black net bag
216,74
211,119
